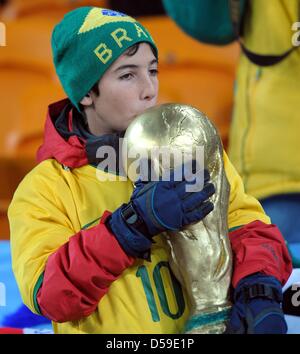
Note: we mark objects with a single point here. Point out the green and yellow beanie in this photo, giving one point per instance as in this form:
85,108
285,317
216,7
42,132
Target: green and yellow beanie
86,43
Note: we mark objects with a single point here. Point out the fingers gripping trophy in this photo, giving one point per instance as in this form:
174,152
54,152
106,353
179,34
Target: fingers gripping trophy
200,254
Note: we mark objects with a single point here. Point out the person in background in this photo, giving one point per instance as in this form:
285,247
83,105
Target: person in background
264,140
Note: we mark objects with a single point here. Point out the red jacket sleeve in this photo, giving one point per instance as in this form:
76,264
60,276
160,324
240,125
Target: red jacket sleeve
80,272
259,247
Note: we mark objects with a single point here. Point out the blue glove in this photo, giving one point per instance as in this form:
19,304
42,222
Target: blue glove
156,207
256,308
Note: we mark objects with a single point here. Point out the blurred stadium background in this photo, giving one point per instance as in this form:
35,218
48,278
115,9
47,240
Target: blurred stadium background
190,72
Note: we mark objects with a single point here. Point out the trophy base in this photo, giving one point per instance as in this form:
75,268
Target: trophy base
208,323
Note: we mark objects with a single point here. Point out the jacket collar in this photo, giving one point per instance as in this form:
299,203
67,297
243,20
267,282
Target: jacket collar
68,140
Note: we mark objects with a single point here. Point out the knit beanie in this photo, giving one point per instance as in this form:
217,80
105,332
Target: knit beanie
86,43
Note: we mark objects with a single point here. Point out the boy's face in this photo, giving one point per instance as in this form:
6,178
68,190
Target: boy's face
127,89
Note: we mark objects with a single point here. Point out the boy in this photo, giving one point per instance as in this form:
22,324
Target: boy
76,259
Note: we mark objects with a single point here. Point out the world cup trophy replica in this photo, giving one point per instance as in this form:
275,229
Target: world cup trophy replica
200,254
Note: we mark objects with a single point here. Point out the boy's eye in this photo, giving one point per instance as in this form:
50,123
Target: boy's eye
126,76
153,71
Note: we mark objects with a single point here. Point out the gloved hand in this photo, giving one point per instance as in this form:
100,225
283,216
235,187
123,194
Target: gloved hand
256,308
158,206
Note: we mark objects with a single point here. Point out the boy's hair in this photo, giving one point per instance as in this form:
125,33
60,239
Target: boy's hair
86,43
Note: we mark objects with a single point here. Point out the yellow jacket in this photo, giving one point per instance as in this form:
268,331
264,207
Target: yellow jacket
69,267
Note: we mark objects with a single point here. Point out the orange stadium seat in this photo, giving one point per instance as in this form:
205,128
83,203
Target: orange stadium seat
20,8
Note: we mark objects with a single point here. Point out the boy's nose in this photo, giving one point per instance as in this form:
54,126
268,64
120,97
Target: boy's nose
149,89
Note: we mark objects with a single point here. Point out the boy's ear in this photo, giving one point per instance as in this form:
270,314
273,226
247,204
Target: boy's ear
87,100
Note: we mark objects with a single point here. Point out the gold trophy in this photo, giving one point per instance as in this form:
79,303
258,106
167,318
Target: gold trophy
200,254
